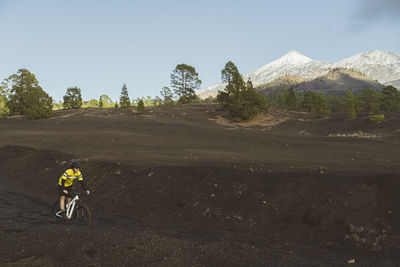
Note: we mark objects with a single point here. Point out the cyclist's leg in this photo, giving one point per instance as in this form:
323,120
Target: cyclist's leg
62,202
63,196
59,208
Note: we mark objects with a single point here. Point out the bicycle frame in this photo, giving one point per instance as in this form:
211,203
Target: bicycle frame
71,206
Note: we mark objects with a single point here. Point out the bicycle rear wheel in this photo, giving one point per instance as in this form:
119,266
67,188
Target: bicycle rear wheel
82,215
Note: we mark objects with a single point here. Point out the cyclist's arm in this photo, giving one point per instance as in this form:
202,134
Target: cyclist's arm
80,179
62,181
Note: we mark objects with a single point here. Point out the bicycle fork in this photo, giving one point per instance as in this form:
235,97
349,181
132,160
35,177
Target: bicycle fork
70,209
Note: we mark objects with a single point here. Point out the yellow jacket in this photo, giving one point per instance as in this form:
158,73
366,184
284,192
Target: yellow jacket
68,177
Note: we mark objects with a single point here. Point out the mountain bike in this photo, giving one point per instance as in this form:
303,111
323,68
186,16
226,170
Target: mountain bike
75,212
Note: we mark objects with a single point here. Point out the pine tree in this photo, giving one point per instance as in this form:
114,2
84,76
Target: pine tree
239,99
26,97
73,98
140,107
320,106
101,102
350,108
168,96
368,100
336,103
124,101
390,99
185,80
308,101
291,100
316,103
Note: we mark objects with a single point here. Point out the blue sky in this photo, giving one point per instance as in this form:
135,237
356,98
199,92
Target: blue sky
99,45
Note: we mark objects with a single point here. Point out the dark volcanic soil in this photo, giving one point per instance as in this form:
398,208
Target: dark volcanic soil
174,188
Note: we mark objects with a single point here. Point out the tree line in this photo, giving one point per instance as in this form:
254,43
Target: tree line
21,94
346,105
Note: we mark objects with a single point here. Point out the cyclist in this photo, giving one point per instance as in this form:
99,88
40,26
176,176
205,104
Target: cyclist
65,184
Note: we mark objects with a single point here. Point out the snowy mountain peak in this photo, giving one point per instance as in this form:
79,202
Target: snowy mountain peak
293,57
292,63
294,52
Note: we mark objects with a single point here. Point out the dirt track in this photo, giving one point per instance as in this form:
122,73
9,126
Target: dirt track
174,188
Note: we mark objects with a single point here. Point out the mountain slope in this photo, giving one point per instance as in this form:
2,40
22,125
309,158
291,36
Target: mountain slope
339,80
279,84
378,65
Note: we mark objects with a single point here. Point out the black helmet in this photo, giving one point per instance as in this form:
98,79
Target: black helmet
74,164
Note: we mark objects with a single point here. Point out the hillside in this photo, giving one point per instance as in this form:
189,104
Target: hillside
279,84
339,80
175,188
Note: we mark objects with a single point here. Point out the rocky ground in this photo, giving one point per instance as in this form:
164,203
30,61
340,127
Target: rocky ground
176,188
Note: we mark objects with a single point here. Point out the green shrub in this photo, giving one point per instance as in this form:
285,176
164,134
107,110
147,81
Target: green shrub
376,118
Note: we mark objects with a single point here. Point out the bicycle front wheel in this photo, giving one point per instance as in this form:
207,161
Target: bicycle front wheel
82,215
